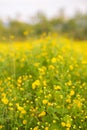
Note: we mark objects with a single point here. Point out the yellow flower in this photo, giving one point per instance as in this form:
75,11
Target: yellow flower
78,103
68,125
36,64
35,84
68,100
63,124
71,67
43,113
3,95
45,101
46,128
60,57
19,80
44,83
72,92
57,87
1,126
5,100
24,122
54,121
10,104
35,128
51,67
86,117
21,109
69,83
53,60
42,70
50,104
67,128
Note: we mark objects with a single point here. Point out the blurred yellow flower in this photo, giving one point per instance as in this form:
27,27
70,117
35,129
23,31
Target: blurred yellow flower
68,125
57,87
63,124
71,67
45,101
46,128
35,84
53,60
5,100
35,128
24,122
43,113
72,92
1,126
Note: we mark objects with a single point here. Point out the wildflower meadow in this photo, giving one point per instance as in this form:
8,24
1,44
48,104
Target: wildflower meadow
43,84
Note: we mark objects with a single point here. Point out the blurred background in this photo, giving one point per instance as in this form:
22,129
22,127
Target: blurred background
22,19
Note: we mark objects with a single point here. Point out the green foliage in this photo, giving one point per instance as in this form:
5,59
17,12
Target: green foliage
75,27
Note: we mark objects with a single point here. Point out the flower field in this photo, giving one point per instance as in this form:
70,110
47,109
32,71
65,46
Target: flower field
43,84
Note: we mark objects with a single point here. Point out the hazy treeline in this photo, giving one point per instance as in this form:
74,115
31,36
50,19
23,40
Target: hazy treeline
75,27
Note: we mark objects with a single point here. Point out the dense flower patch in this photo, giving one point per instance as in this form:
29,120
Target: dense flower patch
43,85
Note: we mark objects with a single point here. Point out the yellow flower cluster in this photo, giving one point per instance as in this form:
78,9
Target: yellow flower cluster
4,99
21,109
43,84
35,84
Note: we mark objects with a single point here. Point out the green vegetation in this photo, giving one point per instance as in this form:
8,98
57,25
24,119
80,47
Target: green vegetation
75,27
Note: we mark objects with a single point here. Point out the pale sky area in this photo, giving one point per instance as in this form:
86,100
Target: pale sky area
28,8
